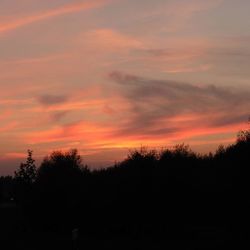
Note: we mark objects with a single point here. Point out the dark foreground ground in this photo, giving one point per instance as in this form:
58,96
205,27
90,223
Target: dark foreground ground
206,240
16,237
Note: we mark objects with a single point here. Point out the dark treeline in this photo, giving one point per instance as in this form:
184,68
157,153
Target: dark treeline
176,196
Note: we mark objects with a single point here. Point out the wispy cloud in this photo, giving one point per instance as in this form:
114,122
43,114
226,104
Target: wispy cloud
66,9
109,39
8,127
57,116
34,60
49,100
155,104
177,14
187,69
182,11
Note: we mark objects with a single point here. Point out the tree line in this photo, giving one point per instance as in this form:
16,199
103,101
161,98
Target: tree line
170,193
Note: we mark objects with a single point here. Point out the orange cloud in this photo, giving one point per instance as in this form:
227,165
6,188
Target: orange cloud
5,114
8,127
14,155
111,40
43,59
79,131
67,9
190,69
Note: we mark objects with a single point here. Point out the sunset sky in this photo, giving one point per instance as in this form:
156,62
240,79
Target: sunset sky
106,76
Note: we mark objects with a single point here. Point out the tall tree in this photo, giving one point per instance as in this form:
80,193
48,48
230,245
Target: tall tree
27,171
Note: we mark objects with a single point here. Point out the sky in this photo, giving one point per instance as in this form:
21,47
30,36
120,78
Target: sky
108,76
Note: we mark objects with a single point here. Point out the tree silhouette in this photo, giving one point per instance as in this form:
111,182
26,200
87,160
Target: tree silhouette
27,171
169,194
61,167
60,183
244,135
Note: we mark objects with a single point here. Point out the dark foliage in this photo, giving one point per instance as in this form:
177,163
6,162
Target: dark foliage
27,171
175,197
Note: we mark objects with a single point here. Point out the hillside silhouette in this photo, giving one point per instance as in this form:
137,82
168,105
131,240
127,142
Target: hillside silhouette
168,199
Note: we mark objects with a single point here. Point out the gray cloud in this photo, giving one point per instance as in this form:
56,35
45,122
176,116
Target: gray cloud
194,51
153,101
57,116
169,53
49,100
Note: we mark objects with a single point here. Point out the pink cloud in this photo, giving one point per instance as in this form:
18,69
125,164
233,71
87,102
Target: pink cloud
188,69
74,132
8,127
5,114
67,9
34,60
182,11
14,155
111,39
